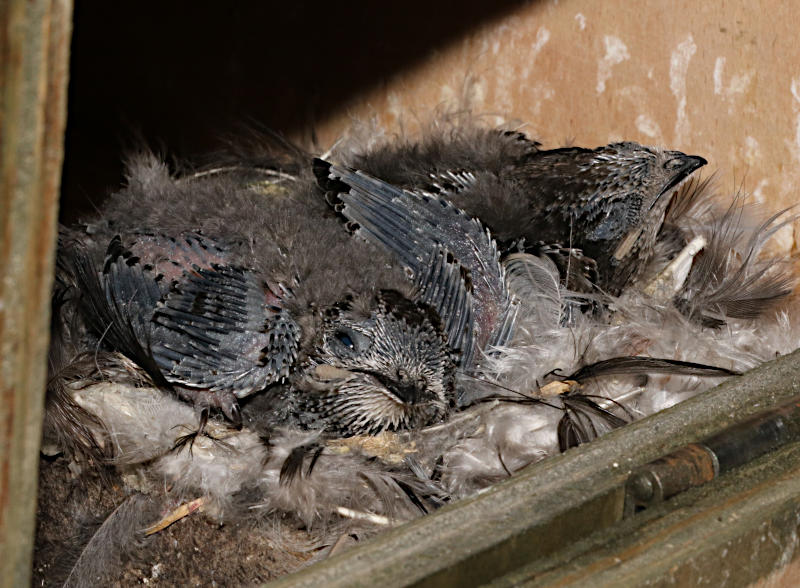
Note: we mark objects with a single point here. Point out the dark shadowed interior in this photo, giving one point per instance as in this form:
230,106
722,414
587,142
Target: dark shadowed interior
179,76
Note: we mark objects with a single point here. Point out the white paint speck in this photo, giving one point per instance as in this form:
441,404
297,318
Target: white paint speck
394,106
795,147
783,239
542,37
616,53
477,92
719,65
752,150
508,74
581,21
678,68
648,126
758,192
540,92
738,83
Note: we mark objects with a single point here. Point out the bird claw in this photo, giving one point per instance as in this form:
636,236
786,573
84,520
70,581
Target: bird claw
224,401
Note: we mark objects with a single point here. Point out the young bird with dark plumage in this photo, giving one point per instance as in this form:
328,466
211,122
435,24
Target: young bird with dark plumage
218,290
380,353
595,212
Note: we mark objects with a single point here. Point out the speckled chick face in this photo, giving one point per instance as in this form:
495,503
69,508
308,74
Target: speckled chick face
630,182
389,371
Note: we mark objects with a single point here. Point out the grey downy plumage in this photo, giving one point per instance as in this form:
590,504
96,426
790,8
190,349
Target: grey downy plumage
218,290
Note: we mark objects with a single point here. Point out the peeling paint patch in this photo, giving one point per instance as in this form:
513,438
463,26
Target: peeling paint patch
581,21
758,192
542,37
752,150
719,65
616,53
678,68
737,85
648,126
795,147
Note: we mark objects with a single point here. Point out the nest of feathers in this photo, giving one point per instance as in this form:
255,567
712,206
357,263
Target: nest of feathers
139,485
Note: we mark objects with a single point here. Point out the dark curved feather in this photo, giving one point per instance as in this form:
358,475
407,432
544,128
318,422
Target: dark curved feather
118,309
637,364
728,279
584,419
411,225
292,466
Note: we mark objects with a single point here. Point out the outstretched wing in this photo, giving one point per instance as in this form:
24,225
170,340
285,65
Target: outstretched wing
217,331
441,285
172,306
427,232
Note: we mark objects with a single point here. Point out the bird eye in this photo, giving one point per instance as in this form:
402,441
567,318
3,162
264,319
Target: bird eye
345,339
674,163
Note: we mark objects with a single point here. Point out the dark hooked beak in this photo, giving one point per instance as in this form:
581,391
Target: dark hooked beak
408,393
404,390
691,164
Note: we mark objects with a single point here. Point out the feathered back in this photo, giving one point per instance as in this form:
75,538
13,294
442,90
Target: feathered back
284,232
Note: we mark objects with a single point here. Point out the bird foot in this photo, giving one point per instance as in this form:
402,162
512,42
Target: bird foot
206,400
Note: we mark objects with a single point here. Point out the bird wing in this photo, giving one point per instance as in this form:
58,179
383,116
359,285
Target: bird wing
412,225
117,303
168,304
219,332
441,285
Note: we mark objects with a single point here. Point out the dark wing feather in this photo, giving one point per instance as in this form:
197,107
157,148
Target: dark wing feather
206,326
117,305
218,332
411,225
585,419
728,279
442,287
637,365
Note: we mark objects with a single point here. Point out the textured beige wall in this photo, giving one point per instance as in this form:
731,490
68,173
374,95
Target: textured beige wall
717,78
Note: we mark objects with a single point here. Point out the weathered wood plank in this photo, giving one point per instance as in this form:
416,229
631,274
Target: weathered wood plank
741,527
34,61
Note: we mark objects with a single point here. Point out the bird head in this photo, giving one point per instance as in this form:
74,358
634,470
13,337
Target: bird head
391,369
630,184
